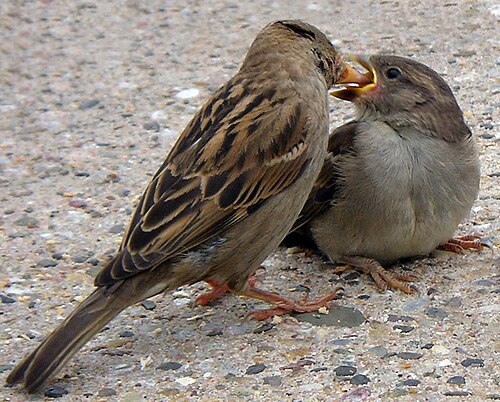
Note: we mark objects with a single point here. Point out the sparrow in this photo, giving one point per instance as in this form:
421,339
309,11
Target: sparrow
399,178
225,196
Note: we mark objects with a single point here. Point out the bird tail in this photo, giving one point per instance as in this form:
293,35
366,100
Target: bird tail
55,351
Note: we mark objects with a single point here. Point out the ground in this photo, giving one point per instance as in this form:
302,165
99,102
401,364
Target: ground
92,97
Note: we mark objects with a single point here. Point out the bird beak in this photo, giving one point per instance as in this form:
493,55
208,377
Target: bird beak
369,81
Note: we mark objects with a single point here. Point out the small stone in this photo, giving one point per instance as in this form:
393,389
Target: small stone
359,379
465,53
151,125
117,229
6,299
410,382
338,316
27,221
379,351
486,126
188,93
403,328
350,276
79,259
436,312
6,367
495,397
126,334
487,136
148,304
255,368
215,332
457,379
470,362
363,297
409,355
93,261
273,381
169,366
343,371
88,104
81,173
427,346
458,393
47,262
57,256
185,381
263,328
399,318
103,392
55,392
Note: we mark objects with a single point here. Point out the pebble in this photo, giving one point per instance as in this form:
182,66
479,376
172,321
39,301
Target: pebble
79,259
126,334
214,332
379,351
47,262
117,229
273,381
457,379
104,392
338,316
427,346
6,299
169,366
403,328
55,392
188,93
255,368
148,304
263,328
359,379
436,312
470,362
27,221
151,126
458,393
411,382
185,381
88,104
409,355
6,367
343,371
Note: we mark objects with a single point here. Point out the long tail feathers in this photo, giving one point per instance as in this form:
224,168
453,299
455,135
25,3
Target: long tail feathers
54,352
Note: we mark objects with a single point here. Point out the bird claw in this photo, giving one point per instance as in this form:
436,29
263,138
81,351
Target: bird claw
382,277
467,242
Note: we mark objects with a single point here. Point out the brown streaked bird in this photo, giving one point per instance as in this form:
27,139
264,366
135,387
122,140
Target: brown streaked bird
227,193
398,179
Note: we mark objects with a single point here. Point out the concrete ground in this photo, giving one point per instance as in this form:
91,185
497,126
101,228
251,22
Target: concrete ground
92,97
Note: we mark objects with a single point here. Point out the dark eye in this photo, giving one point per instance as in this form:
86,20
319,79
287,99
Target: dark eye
393,73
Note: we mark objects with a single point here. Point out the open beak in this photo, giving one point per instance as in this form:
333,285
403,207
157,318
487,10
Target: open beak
368,81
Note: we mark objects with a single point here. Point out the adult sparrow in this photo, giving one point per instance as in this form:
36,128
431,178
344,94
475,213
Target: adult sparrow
399,178
227,193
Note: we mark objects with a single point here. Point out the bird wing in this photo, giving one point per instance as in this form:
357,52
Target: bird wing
329,182
241,148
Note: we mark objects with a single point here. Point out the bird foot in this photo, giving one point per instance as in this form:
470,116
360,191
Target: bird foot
219,290
459,244
284,305
383,278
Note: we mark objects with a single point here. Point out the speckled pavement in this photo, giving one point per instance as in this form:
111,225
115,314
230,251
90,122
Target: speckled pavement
92,97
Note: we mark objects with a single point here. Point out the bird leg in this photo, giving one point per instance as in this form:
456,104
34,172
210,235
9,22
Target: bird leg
219,290
284,305
383,278
459,244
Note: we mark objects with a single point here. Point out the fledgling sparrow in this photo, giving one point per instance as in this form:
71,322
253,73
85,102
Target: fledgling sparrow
399,178
227,193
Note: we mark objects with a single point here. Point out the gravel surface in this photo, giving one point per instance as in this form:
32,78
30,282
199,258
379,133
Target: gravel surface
92,97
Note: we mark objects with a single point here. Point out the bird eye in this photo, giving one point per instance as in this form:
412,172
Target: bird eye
393,73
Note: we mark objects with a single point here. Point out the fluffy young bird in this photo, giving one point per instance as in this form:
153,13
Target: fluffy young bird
398,179
225,196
